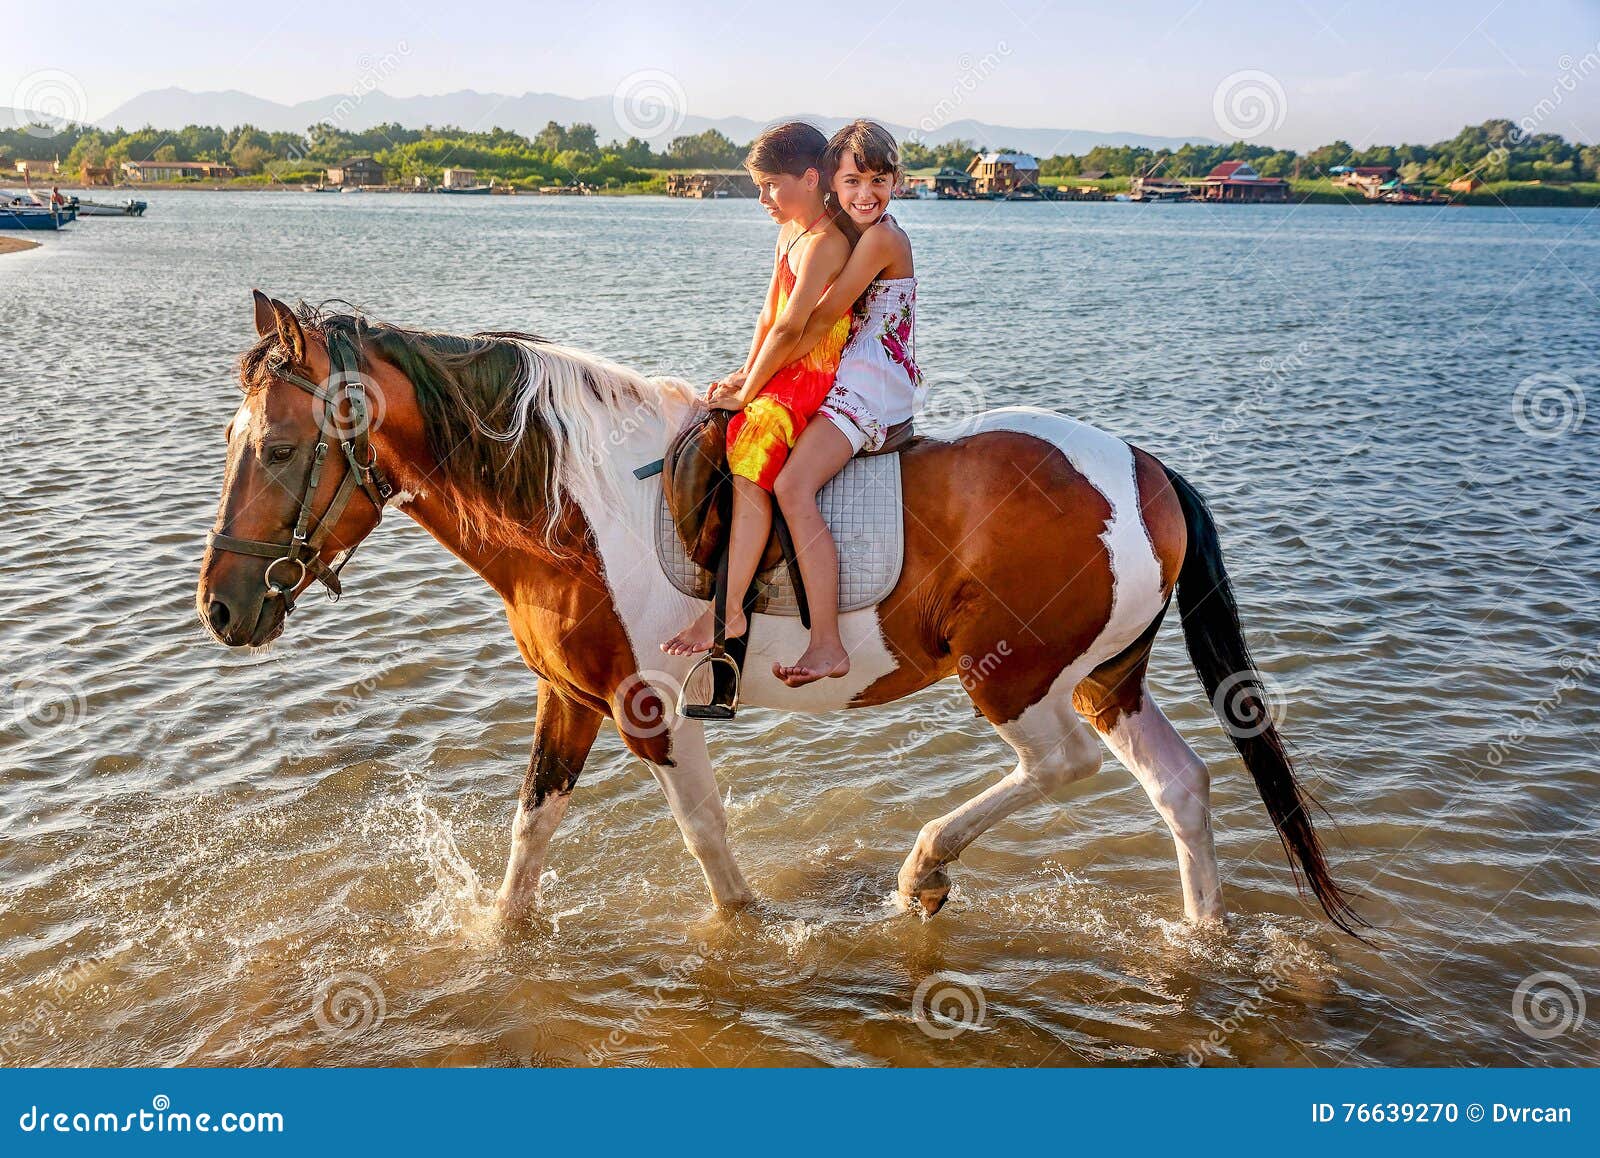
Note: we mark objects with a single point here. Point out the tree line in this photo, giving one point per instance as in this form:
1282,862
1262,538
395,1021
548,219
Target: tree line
1496,150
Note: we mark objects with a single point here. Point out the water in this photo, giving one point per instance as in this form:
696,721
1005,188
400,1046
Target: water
217,858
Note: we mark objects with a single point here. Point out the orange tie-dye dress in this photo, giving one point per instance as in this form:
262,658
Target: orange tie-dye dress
762,434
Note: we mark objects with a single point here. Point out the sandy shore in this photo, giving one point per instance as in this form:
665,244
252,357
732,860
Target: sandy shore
16,244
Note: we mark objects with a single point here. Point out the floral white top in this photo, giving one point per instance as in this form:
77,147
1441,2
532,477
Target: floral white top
878,384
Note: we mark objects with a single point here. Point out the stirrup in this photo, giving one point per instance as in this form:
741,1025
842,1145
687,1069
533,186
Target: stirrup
724,700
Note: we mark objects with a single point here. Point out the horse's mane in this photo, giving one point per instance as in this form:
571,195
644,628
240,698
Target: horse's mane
519,426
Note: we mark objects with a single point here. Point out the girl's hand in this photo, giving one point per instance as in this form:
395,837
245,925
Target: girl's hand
726,399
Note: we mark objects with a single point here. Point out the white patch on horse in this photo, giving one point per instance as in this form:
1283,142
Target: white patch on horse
1107,463
401,498
239,421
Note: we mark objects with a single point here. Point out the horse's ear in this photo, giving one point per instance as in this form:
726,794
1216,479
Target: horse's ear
266,319
289,332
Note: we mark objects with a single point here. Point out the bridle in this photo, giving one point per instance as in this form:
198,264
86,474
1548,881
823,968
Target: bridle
304,548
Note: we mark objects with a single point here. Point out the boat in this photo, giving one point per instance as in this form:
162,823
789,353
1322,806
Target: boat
350,188
317,188
464,189
19,214
128,208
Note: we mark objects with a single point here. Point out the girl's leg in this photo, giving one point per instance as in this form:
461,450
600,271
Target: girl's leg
820,454
747,539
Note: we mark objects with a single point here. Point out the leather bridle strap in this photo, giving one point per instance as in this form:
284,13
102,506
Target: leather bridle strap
306,541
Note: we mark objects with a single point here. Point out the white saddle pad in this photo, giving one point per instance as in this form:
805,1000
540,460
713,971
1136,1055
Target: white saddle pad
863,509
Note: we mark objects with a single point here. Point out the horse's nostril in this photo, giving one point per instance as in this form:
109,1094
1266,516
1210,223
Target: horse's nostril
217,615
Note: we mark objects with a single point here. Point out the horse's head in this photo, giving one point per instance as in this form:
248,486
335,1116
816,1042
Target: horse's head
302,486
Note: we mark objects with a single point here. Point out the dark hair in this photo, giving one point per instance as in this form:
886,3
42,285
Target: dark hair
871,145
792,148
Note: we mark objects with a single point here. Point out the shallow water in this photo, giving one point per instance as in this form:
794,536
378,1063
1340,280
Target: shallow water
286,857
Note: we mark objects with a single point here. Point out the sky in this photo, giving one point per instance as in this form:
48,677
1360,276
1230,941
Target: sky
1290,73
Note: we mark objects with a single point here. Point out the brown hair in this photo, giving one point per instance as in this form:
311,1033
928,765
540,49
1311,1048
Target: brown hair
874,150
792,148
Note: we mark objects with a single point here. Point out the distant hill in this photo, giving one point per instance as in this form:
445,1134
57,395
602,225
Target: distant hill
528,113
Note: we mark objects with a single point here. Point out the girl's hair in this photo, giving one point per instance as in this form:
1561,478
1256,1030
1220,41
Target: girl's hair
874,150
792,148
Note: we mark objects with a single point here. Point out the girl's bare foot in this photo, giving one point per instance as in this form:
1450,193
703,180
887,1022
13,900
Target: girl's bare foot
702,633
821,661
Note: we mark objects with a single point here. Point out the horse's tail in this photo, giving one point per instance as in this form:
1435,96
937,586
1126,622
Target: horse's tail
1222,659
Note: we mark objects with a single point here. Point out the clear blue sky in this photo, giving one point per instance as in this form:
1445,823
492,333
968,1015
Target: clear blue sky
1371,71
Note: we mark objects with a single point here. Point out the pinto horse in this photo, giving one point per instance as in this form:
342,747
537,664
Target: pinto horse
1038,550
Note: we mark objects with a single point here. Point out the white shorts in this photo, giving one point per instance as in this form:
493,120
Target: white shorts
852,417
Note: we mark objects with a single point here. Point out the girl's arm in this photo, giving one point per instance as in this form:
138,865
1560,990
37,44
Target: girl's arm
823,260
873,254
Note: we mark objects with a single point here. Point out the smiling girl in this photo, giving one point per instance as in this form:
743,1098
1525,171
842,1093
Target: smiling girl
877,385
780,387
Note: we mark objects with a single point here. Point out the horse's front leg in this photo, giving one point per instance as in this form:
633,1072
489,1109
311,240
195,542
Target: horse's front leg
563,735
689,781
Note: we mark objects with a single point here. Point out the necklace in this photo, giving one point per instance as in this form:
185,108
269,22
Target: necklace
804,233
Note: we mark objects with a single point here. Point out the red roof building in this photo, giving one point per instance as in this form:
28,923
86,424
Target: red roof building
1238,181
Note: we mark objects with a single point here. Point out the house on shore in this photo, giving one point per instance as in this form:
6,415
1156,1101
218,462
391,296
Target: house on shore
1002,174
458,178
357,171
1369,179
708,183
178,171
1159,189
1468,184
28,170
1238,181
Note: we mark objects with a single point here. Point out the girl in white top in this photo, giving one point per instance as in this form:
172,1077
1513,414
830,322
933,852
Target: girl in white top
877,385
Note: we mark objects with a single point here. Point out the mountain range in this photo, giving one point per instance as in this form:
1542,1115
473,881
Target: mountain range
528,113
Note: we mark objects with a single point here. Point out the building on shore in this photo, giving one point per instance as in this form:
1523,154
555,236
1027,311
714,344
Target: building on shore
458,178
1468,184
948,182
709,183
29,170
1238,181
177,171
92,175
1369,179
1159,189
357,171
1002,174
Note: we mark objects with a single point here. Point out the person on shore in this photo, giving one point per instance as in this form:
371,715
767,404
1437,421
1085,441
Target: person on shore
776,396
877,385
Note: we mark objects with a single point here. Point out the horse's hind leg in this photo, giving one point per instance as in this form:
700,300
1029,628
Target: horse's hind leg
563,734
1053,748
1117,701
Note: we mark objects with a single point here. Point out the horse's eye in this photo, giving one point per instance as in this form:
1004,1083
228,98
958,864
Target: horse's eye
280,454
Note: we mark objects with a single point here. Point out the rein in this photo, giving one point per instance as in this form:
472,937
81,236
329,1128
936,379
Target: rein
303,550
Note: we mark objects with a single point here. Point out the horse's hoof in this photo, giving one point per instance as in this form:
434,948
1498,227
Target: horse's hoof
931,894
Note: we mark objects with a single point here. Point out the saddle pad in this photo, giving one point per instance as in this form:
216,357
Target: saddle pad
862,507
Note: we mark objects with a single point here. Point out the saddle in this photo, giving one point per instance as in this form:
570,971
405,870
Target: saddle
692,539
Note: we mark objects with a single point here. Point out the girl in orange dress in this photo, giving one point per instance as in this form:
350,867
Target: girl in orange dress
775,401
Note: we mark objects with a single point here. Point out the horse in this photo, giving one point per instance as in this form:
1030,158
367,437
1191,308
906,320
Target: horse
1040,557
